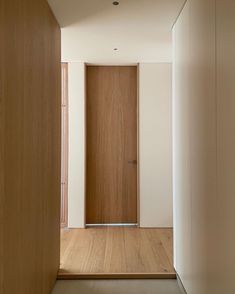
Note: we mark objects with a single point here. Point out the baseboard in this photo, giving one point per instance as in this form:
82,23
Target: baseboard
181,284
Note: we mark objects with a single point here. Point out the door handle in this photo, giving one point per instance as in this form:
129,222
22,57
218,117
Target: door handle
132,161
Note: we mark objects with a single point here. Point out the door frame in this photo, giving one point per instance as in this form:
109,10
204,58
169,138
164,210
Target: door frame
86,64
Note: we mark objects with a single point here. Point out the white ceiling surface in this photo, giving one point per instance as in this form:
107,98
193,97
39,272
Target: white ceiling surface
140,29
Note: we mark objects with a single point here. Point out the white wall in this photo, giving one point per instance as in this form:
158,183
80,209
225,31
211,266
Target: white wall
155,114
204,144
76,145
225,83
155,145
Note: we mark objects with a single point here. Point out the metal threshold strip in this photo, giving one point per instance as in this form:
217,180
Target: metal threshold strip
111,225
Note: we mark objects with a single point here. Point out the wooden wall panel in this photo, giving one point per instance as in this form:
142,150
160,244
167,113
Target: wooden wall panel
30,147
64,146
1,147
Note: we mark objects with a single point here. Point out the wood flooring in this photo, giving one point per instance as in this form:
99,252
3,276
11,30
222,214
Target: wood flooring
116,253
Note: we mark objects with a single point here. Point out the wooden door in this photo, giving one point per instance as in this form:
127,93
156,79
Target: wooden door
111,161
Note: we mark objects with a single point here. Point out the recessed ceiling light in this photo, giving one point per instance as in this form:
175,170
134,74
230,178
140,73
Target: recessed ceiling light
115,3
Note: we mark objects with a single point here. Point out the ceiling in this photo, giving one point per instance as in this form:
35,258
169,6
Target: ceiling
139,29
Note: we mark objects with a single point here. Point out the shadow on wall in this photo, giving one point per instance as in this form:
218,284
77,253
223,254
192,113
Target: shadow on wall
69,14
132,12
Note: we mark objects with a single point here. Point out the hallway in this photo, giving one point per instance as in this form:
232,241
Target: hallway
117,173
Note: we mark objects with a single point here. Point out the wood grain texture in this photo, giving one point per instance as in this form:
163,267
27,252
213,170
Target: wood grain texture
30,110
2,133
111,122
116,252
64,147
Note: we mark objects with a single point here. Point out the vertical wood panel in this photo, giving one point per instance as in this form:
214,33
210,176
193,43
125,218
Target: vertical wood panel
64,146
111,175
2,118
30,147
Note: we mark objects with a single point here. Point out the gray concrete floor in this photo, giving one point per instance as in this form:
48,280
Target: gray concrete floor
117,287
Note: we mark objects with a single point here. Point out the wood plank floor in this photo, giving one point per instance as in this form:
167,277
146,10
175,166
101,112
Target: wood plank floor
116,253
